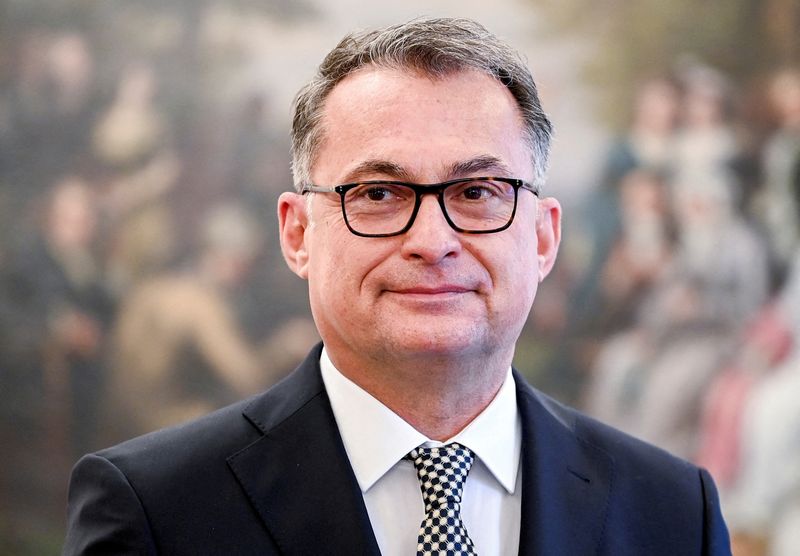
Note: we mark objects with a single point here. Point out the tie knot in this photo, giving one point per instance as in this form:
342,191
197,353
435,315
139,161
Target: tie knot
441,472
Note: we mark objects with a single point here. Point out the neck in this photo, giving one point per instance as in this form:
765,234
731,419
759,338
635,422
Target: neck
437,395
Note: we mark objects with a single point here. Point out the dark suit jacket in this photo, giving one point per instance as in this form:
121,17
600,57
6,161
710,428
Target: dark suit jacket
270,475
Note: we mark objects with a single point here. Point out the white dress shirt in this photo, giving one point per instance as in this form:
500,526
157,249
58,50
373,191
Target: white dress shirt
376,440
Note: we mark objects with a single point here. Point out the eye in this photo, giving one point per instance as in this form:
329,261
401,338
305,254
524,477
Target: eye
377,193
477,191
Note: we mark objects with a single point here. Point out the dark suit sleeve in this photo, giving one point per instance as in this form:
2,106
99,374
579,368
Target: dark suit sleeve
716,541
104,514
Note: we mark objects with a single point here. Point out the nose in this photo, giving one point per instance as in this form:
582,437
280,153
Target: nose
430,238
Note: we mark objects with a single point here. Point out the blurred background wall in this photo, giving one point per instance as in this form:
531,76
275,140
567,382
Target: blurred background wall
143,146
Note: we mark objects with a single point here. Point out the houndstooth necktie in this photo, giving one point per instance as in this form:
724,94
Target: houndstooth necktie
442,472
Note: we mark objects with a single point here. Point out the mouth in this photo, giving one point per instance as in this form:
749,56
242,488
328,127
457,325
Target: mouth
440,290
443,297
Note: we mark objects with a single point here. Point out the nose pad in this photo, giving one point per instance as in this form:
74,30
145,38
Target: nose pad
430,212
431,237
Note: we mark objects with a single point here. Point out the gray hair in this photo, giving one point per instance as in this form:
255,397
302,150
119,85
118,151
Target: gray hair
437,48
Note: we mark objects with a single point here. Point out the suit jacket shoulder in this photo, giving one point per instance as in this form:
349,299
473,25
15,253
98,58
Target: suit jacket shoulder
268,475
606,492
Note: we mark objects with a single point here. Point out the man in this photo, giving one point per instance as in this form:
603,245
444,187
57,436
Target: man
421,274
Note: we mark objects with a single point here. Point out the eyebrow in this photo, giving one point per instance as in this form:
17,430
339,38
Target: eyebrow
464,168
376,166
484,163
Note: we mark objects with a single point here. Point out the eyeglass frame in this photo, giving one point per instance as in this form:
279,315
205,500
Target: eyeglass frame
425,189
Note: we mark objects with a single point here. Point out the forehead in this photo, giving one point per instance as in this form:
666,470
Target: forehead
419,122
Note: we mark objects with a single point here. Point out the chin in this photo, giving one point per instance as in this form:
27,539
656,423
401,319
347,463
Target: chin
427,343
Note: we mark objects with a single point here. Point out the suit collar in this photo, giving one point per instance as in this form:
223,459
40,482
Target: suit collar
566,481
310,499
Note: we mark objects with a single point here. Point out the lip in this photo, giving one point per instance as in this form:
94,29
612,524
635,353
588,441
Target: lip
431,290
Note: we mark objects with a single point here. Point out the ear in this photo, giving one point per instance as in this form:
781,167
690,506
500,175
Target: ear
548,232
293,223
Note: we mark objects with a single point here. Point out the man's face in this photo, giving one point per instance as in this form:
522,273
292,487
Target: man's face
431,291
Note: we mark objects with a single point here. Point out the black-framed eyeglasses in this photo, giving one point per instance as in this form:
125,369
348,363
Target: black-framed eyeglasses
384,208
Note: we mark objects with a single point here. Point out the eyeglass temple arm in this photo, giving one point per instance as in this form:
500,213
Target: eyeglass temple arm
317,189
533,188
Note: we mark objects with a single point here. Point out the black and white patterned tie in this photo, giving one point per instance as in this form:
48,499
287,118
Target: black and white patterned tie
442,472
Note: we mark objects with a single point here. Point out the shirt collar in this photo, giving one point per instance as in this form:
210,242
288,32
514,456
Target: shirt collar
376,438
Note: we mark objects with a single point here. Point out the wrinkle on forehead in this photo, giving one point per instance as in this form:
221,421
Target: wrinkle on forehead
376,168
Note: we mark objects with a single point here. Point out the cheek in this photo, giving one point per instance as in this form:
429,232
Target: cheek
340,264
515,271
330,293
325,276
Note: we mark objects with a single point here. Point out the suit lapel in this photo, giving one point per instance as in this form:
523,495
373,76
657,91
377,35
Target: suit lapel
297,475
566,482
